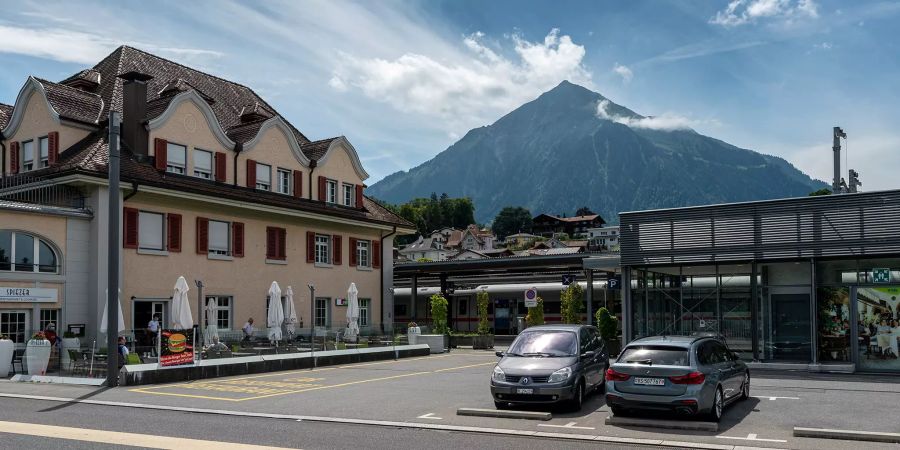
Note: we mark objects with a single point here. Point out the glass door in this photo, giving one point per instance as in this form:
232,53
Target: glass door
878,328
14,324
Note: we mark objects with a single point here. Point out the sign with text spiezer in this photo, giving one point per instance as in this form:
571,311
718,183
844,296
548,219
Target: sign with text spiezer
28,295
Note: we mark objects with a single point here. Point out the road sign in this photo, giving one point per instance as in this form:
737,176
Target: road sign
881,275
614,282
568,279
531,298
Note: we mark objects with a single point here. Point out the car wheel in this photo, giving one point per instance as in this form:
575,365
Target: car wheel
745,387
577,397
718,406
501,405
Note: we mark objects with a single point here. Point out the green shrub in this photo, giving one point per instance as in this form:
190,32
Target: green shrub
536,314
68,335
606,322
484,327
572,304
439,314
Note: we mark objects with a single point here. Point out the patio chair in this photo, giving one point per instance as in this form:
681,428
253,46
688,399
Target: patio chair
133,358
76,361
18,358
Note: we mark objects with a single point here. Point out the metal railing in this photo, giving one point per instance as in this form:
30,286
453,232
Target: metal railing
24,188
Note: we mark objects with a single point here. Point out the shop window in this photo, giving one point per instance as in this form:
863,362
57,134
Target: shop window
834,324
22,252
13,324
49,316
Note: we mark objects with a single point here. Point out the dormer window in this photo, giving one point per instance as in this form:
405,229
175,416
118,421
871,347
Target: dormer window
284,182
44,145
176,155
349,195
27,156
263,177
331,191
203,164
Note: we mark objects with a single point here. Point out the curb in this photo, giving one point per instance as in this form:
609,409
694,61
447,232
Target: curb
848,435
666,424
504,414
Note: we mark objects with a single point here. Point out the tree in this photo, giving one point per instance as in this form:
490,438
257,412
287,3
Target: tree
584,211
439,314
512,220
823,191
572,304
433,213
606,322
482,300
535,315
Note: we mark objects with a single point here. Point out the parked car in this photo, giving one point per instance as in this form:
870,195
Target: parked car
691,375
550,364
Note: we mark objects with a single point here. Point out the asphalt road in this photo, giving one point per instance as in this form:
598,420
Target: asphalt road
429,390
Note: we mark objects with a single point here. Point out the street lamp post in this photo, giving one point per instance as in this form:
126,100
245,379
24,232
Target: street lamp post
312,323
200,315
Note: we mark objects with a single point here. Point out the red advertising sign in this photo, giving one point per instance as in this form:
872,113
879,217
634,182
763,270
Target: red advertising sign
176,348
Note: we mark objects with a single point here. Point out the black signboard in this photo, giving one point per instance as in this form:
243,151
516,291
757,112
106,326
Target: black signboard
176,348
614,282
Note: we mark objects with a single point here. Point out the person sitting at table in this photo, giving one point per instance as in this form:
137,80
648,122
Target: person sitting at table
248,330
122,351
217,345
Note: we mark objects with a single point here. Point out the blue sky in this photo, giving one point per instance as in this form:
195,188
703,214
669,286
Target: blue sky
403,80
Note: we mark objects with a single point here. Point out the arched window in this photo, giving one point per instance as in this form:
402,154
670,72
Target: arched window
22,252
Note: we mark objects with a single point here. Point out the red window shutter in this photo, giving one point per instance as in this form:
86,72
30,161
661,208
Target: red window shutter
202,235
237,239
359,196
221,167
159,151
129,228
336,248
298,184
353,260
282,244
173,232
52,147
376,254
310,246
322,181
251,173
13,157
271,243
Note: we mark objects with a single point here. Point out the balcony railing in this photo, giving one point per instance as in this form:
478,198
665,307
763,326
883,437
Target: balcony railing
24,188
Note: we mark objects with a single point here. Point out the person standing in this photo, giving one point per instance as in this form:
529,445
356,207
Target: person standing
122,351
248,330
153,332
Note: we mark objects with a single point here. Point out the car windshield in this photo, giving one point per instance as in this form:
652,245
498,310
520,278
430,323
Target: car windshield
652,355
544,343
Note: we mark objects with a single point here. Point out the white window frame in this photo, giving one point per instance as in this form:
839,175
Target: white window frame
162,235
325,302
331,191
27,164
363,253
284,181
44,151
36,249
48,316
203,172
263,185
20,325
173,166
349,195
218,251
227,309
364,305
323,249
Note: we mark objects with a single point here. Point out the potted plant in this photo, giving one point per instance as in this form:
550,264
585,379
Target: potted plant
572,304
485,338
535,315
412,332
37,354
437,340
608,326
70,341
7,347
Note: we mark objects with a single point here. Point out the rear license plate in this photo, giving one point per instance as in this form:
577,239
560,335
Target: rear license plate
524,391
649,381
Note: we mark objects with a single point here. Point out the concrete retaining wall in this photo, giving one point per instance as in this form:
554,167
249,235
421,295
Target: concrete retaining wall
151,374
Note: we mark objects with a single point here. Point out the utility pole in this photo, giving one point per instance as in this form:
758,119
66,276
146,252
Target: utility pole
112,291
836,187
854,181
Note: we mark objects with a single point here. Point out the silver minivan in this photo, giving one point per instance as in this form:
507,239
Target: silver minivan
550,364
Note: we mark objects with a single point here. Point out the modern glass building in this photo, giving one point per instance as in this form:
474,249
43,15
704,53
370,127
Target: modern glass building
812,280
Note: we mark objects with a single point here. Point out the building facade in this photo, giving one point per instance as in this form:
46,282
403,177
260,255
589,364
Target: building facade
603,238
808,281
216,187
547,225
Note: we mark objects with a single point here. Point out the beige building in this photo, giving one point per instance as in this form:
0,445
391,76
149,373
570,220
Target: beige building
216,186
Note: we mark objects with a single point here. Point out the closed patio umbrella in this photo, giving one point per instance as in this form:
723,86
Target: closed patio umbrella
275,317
352,312
104,322
290,313
211,332
181,309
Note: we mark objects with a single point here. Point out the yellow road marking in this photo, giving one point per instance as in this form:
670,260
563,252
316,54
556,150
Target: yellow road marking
464,367
351,366
120,438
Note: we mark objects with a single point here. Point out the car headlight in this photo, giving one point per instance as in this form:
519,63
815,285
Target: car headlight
498,374
560,375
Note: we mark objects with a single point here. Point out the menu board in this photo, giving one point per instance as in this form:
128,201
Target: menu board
176,348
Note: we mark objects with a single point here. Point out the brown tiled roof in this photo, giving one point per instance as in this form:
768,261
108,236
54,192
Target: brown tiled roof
229,98
90,156
245,131
578,218
316,150
72,103
89,75
5,114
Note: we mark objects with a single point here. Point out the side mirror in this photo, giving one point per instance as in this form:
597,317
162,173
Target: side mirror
588,354
499,354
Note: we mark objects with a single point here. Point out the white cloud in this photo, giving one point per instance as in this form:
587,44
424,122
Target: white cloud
740,12
470,90
874,155
823,46
624,72
665,122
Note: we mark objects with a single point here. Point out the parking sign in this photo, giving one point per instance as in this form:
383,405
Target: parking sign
531,298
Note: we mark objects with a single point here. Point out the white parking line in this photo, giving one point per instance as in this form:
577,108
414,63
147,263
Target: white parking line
751,437
776,398
430,416
570,425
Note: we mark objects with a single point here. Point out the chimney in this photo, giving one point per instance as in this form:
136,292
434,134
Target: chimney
134,111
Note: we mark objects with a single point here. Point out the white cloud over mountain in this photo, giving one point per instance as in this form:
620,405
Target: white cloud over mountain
665,122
